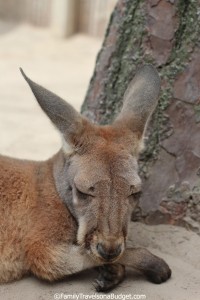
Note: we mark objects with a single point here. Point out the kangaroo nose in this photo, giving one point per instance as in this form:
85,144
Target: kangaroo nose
108,254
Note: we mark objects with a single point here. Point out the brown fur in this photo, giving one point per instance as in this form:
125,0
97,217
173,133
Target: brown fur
31,212
71,212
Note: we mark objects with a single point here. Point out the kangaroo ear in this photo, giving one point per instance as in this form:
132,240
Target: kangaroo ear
67,120
140,99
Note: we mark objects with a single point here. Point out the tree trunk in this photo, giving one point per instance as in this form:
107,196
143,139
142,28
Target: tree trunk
166,34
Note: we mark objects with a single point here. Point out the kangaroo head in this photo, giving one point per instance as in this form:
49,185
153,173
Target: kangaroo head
97,174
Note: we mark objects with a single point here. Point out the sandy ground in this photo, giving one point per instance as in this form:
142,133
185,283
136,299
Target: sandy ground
65,67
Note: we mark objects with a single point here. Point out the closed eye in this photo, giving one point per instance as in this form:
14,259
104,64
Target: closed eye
135,196
135,189
81,195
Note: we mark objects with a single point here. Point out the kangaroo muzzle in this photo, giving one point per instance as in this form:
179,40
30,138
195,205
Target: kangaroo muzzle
109,253
107,249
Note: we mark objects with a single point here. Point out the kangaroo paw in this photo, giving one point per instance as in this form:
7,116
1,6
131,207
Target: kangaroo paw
109,277
158,271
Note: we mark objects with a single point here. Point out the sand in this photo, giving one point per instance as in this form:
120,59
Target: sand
65,67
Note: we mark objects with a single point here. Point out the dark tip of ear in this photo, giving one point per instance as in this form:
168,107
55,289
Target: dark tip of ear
23,74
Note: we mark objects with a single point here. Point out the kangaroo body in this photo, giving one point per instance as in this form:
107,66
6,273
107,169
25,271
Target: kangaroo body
34,221
71,212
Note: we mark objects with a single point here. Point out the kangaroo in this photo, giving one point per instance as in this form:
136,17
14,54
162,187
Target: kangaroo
71,212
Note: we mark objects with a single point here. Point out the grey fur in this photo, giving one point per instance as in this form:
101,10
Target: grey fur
61,113
141,97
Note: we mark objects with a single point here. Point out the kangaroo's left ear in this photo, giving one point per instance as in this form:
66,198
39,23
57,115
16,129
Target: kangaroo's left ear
140,99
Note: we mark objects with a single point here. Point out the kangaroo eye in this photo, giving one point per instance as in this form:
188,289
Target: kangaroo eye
81,195
135,196
135,189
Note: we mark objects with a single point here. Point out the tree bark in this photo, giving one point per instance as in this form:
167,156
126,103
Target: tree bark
166,34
